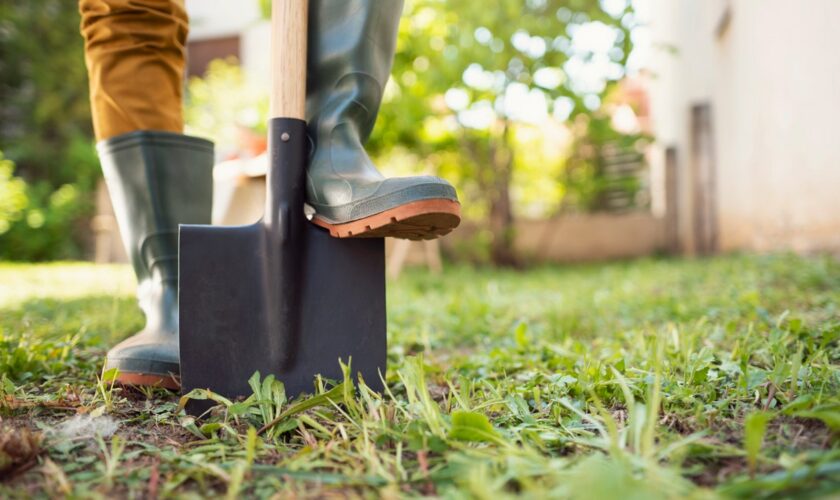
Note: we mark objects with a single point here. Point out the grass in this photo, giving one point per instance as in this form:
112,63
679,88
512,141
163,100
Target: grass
648,379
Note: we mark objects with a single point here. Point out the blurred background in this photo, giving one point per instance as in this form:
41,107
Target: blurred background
574,130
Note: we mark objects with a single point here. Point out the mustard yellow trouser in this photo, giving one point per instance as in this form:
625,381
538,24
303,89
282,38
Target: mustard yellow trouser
134,51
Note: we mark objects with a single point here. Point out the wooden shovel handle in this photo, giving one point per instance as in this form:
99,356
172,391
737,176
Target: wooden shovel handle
288,58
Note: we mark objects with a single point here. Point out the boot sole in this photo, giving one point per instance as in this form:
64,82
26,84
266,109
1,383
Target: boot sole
418,220
149,380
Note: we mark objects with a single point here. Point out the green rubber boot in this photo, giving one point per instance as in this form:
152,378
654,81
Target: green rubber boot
351,50
157,180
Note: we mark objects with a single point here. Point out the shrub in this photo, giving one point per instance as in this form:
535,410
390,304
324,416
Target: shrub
13,199
38,222
45,128
225,99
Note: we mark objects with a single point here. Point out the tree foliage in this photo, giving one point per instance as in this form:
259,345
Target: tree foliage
13,199
45,127
470,76
223,100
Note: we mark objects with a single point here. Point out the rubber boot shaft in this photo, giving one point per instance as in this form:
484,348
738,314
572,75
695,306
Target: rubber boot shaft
156,180
351,51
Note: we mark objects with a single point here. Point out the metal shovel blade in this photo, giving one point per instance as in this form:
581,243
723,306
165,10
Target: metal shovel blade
280,296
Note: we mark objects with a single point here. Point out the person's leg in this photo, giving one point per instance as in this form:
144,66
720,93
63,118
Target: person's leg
351,50
134,51
157,177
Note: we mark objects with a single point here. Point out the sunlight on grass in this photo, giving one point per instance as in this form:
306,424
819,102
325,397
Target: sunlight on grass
62,280
646,379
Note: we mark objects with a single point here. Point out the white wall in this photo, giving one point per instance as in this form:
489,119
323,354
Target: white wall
773,79
219,18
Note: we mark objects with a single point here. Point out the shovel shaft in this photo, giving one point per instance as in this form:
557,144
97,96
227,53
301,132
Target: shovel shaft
287,127
284,219
285,248
288,56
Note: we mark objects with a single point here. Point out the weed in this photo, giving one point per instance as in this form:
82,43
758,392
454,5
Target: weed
105,384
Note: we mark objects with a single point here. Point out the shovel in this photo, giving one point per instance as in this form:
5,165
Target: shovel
280,296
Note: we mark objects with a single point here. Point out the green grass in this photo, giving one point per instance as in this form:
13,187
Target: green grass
648,379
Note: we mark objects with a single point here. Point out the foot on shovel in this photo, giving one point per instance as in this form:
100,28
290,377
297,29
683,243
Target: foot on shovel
414,208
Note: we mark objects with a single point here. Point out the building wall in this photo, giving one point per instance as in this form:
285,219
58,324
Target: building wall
771,73
217,20
588,237
220,18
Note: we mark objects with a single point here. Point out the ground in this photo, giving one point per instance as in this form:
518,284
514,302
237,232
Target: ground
646,379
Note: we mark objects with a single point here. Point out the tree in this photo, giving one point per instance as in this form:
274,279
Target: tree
468,74
45,127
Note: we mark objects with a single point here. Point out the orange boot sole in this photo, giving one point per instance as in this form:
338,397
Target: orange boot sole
170,382
418,220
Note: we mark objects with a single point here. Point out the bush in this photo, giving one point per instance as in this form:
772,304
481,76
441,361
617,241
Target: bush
38,222
45,128
13,199
217,104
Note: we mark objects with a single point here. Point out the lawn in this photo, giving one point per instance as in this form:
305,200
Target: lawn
646,379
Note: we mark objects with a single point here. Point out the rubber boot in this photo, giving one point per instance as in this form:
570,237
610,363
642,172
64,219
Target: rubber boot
351,50
157,180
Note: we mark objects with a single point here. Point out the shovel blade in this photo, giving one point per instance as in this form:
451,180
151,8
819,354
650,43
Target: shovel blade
222,320
343,311
226,332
